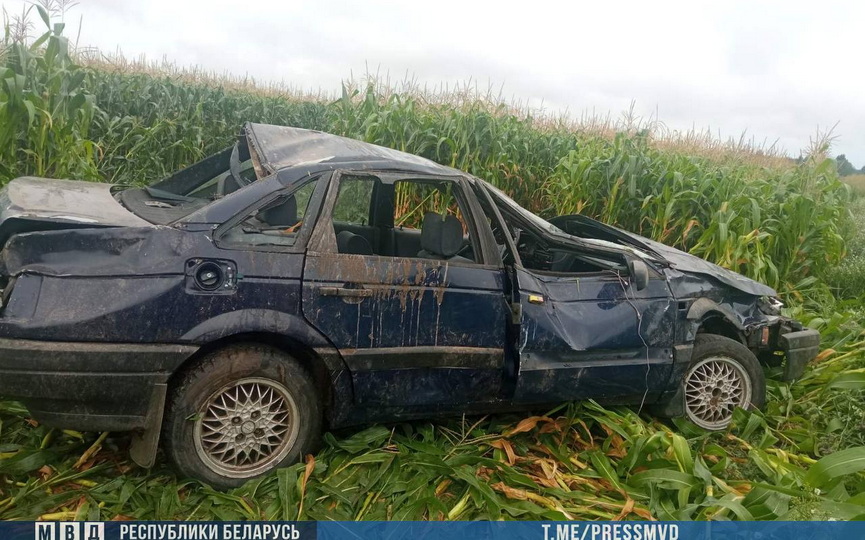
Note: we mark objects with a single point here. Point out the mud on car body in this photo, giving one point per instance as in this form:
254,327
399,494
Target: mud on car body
299,280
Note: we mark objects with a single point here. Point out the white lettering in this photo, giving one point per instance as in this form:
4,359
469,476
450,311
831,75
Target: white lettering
69,531
650,533
45,531
93,531
206,531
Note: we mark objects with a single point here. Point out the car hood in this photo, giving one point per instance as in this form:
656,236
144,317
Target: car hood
585,227
64,201
685,262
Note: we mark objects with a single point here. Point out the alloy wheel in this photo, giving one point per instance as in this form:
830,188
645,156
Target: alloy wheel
714,387
246,427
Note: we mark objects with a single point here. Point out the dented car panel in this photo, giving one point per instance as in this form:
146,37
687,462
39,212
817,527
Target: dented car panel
593,337
94,292
582,226
282,147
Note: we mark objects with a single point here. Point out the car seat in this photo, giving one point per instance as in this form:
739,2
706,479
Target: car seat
441,237
355,244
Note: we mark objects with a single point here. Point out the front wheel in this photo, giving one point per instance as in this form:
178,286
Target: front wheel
239,413
723,375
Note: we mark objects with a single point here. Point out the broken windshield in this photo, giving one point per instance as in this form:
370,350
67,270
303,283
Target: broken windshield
512,207
515,208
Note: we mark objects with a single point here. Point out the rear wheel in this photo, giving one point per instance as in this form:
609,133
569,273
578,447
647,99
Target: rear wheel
723,375
239,413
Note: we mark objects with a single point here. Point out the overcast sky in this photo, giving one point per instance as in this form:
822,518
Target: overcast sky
777,71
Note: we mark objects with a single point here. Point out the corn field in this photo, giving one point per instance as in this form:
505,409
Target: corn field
786,223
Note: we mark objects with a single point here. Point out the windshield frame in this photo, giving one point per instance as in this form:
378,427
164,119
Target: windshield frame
545,226
532,218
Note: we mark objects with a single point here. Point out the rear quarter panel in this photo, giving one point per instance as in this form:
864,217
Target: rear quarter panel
130,286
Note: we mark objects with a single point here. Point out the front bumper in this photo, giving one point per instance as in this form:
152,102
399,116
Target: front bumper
87,386
800,348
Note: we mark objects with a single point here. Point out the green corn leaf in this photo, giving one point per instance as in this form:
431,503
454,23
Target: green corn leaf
682,453
848,381
604,468
664,479
31,111
40,40
26,461
43,14
835,465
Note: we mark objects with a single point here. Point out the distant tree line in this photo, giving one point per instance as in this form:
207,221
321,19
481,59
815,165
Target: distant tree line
845,168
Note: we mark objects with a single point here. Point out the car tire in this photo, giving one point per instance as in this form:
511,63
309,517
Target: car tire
723,375
240,412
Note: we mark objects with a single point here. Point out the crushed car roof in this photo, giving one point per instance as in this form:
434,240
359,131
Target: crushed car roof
280,147
274,148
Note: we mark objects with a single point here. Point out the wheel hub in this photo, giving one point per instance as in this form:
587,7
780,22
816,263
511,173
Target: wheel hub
246,427
714,387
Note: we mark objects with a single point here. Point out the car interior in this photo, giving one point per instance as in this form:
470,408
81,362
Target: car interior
537,254
414,219
276,223
406,218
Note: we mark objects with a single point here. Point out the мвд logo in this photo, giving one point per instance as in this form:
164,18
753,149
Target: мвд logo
70,530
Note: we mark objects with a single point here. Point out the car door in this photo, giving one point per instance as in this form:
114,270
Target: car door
592,336
414,331
589,334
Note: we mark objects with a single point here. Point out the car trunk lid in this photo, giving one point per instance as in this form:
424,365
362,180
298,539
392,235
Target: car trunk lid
35,204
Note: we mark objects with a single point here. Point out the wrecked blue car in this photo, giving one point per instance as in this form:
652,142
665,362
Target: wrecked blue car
299,281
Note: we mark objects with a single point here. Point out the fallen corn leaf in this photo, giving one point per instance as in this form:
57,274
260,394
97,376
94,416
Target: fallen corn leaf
507,448
528,424
626,510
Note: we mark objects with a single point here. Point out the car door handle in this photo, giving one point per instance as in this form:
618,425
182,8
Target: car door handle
345,292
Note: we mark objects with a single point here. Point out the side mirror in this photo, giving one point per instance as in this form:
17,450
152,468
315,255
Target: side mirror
639,273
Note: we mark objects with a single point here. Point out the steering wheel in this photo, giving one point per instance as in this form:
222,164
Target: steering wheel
233,173
234,167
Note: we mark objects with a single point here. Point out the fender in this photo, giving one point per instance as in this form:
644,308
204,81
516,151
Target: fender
269,321
292,326
144,444
672,403
703,307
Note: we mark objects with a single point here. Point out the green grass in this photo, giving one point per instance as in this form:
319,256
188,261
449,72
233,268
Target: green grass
746,208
